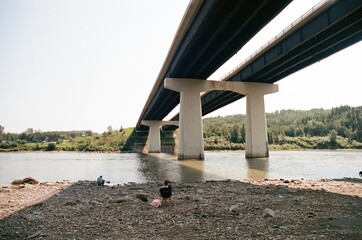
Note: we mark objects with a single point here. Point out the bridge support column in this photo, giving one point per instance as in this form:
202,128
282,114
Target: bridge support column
154,137
191,144
256,130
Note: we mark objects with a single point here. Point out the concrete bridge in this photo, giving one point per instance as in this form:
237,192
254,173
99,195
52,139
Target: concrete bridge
197,51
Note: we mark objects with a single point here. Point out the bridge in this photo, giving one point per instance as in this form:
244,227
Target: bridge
200,47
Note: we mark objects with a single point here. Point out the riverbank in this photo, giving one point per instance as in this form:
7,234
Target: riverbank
269,209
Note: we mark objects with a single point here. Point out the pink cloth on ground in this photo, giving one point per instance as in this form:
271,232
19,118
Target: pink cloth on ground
155,203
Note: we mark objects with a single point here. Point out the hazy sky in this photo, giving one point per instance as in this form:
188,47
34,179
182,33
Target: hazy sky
90,64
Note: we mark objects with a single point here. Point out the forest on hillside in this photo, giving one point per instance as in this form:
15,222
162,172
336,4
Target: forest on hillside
336,128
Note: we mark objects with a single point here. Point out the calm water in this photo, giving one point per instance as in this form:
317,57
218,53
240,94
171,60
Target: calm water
134,167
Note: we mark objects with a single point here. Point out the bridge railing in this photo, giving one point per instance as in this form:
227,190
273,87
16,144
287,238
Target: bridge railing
318,7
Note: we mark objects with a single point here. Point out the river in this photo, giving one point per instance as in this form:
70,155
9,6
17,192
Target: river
121,168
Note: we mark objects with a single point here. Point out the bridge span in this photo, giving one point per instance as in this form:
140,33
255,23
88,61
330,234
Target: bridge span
210,32
328,28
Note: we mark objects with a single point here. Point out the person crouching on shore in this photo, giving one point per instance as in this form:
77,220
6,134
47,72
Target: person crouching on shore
101,181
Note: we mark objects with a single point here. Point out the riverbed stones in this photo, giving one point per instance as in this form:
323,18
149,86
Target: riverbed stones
33,216
143,197
303,213
200,191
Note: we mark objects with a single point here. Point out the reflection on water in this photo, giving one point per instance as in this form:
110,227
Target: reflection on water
158,167
134,167
191,170
257,168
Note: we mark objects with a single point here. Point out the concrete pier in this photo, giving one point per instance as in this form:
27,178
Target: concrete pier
191,143
154,137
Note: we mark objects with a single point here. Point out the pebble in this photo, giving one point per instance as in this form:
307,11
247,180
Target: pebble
268,213
235,209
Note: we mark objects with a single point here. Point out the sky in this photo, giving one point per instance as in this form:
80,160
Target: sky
88,64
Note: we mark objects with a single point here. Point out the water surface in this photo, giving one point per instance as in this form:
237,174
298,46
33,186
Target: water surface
134,167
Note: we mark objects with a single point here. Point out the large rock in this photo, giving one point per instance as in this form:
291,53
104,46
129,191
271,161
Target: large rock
235,209
27,180
268,213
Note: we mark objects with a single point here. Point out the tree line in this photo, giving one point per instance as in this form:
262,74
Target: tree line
30,140
339,127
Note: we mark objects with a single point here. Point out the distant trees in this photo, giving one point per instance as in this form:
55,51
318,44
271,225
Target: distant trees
315,128
37,136
333,139
341,122
51,147
339,127
237,134
1,130
65,141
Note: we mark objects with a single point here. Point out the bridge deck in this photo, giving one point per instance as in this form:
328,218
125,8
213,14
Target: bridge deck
322,32
210,33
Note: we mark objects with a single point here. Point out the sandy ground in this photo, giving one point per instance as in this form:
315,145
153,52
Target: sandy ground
269,209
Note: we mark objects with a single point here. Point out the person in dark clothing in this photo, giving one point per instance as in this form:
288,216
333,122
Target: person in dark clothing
100,181
166,190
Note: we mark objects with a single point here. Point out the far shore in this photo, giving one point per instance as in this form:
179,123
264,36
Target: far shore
213,150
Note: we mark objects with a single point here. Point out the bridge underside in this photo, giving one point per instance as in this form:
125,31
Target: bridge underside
339,27
225,26
332,27
336,28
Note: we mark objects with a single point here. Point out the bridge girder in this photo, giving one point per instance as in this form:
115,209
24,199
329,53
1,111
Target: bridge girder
336,28
225,26
322,34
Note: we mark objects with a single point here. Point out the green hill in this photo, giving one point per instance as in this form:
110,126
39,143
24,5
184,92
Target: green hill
337,128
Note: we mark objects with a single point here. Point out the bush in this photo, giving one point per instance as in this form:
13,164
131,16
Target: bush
50,147
8,145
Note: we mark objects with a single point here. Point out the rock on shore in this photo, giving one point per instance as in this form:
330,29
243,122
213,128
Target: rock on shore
270,209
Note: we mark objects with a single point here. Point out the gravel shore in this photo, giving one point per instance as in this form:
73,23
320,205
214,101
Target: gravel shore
269,209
